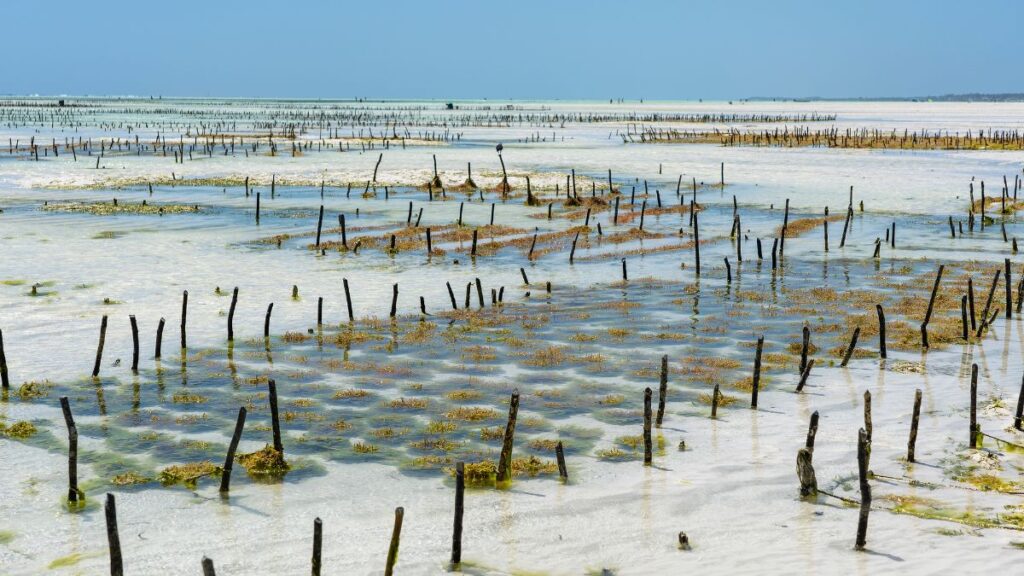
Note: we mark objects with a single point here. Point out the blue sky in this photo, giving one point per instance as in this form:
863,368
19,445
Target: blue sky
511,49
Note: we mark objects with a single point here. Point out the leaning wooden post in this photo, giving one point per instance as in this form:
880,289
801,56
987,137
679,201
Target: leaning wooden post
113,539
805,343
396,535
881,330
804,375
914,420
319,225
318,539
647,427
99,347
863,450
505,460
460,494
348,299
931,304
225,477
696,244
184,316
988,304
1018,419
563,471
4,378
850,349
662,390
231,315
757,373
266,321
974,406
274,420
72,450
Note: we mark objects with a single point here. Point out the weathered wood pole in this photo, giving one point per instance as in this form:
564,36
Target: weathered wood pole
812,432
696,244
5,380
805,343
319,310
931,305
396,535
113,539
99,347
460,494
257,208
348,299
505,459
1018,419
394,300
1009,288
318,540
135,342
208,569
974,406
184,316
231,315
266,321
805,473
863,450
275,422
881,330
563,470
662,390
756,382
868,428
69,420
229,460
159,338
648,458
803,375
970,303
914,421
319,225
344,235
988,304
850,349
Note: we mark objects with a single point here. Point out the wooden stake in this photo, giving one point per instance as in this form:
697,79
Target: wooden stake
229,460
757,373
99,347
69,420
931,305
563,471
988,303
460,490
662,390
974,406
208,569
135,343
647,428
396,535
348,299
159,338
275,422
863,450
804,345
805,473
5,380
914,420
812,432
113,539
320,225
231,315
266,321
318,539
803,375
505,460
184,317
394,300
881,330
853,345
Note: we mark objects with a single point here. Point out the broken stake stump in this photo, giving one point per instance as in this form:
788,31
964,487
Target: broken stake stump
805,472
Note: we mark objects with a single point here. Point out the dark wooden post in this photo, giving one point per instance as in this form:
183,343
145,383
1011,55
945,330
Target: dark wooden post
460,494
99,347
881,330
805,343
113,539
184,316
72,450
231,315
159,338
563,471
1009,288
850,349
5,381
266,321
647,428
805,473
974,406
318,539
988,304
505,460
396,535
208,569
229,460
716,394
135,343
348,299
757,373
812,432
863,450
696,244
662,390
274,420
319,225
914,420
931,305
394,300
